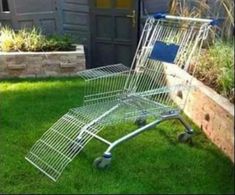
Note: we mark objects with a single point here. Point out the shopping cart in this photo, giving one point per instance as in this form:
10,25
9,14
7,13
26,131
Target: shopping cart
115,94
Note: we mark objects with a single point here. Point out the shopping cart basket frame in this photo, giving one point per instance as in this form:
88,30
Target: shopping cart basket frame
118,89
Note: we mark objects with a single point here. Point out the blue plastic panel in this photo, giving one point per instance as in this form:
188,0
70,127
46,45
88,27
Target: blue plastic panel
164,52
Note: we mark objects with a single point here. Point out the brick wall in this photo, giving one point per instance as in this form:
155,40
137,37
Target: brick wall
206,108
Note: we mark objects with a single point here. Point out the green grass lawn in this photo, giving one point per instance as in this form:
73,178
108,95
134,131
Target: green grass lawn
153,162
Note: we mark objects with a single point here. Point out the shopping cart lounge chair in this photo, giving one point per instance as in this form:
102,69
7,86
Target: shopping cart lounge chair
115,94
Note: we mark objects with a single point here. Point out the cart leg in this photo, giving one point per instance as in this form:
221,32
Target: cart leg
185,136
132,135
188,128
188,134
105,160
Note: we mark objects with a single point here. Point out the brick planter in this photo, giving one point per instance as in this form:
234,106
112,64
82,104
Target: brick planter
41,64
209,110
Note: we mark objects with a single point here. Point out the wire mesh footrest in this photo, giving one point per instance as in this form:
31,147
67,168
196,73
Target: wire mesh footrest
62,142
59,145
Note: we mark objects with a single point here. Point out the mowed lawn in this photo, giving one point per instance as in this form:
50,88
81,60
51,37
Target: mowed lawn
153,162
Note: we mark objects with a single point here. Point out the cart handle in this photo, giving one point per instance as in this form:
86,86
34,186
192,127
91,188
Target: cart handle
212,22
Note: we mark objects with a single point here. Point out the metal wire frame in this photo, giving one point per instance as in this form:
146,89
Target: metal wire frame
151,75
104,83
116,93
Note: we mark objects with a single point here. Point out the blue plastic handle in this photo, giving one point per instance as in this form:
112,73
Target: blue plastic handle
159,16
216,22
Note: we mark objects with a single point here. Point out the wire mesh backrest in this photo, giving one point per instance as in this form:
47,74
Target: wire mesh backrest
166,48
164,41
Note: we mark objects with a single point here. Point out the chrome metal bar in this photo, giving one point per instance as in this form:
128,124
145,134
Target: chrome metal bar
181,18
99,138
147,127
96,120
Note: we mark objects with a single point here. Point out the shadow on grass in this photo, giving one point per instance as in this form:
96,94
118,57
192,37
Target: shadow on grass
199,139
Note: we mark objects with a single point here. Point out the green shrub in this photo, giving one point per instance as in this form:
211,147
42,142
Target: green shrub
58,43
201,9
216,68
32,40
7,37
216,64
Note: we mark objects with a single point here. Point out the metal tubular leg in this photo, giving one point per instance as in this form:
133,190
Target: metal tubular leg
185,124
189,130
182,121
105,160
130,135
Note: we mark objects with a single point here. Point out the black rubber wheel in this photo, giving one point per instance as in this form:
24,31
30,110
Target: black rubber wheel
140,122
185,138
99,164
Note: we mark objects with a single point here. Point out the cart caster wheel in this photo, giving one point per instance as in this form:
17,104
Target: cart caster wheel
185,138
102,163
140,122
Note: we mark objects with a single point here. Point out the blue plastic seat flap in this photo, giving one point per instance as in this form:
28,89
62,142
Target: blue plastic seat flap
164,52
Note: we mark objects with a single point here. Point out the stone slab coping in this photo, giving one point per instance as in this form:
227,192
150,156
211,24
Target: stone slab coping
219,99
79,50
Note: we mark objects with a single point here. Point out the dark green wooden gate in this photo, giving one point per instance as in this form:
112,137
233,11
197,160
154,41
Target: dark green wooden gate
114,27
